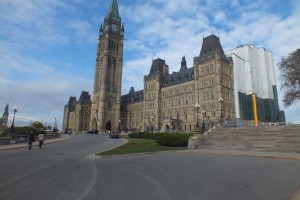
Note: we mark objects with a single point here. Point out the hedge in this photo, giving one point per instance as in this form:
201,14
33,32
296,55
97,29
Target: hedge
146,135
173,139
165,139
25,130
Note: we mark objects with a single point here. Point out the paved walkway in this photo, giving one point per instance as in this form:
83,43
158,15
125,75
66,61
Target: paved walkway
258,154
25,145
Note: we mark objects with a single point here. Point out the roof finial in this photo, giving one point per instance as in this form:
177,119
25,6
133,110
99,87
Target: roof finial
113,11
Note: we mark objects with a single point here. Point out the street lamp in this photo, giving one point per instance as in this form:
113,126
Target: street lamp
13,122
130,116
151,126
45,125
203,124
120,125
197,107
96,117
55,123
221,100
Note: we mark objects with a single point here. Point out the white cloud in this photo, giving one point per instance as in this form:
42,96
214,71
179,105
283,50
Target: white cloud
170,37
48,47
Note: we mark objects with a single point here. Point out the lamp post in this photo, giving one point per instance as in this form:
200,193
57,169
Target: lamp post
221,100
96,117
130,116
13,122
45,125
120,125
197,107
203,124
55,124
151,126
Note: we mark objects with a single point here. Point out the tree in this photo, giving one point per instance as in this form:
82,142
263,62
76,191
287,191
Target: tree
290,77
37,125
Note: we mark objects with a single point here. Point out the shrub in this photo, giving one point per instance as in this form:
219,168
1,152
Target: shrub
135,135
146,135
173,139
165,139
25,130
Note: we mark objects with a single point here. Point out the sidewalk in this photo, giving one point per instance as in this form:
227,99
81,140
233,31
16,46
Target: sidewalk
257,154
25,145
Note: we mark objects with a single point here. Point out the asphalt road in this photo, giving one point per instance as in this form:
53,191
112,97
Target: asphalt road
67,170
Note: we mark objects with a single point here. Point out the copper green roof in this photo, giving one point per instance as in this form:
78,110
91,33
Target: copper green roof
113,11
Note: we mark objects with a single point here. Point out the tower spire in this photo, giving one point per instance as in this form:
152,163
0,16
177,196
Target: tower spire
183,64
6,109
113,11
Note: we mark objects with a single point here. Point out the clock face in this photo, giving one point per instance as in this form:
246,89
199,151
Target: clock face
114,27
106,28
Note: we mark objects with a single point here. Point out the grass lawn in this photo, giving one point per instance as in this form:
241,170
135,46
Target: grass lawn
139,146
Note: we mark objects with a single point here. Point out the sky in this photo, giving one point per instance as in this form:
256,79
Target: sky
48,47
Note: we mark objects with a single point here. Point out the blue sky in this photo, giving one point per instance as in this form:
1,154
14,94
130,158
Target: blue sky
48,47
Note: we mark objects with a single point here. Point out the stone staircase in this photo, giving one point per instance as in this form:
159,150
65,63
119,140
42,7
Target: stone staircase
268,138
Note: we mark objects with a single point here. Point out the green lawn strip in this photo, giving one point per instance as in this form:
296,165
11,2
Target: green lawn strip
139,146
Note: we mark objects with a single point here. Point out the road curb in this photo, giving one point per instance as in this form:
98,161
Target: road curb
255,154
98,156
25,145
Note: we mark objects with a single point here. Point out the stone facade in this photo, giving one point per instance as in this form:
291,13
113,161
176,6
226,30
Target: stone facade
77,114
168,100
105,113
4,119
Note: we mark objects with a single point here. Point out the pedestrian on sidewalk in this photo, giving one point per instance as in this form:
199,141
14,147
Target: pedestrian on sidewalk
31,139
41,140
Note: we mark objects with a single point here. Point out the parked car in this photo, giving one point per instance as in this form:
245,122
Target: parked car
91,132
273,124
113,134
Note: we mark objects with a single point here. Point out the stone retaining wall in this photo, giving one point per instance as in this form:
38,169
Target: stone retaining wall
196,140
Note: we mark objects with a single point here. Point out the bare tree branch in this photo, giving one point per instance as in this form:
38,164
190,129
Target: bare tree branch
290,77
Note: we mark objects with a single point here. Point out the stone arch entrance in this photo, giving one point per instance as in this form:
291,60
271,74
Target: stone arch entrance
108,126
167,127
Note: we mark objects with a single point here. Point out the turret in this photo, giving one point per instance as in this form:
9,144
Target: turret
100,30
113,11
183,64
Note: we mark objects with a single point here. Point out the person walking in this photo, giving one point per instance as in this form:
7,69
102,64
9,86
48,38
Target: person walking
41,140
31,139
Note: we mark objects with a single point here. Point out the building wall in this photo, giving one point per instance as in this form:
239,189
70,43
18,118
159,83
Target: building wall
177,102
254,73
77,120
105,113
170,99
77,114
214,80
4,119
257,66
134,116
